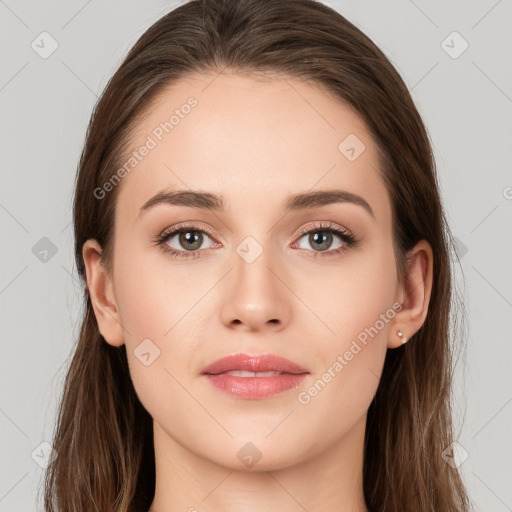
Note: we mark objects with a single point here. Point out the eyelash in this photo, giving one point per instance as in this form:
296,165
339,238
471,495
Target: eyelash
348,238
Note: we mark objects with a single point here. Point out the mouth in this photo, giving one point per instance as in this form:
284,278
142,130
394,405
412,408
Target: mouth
261,365
243,373
254,377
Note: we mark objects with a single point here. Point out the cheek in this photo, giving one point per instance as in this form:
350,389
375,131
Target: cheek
355,303
151,299
350,294
155,308
338,396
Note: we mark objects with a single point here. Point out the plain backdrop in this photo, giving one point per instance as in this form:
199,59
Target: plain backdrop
455,58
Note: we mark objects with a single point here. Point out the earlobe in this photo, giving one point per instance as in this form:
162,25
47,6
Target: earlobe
416,293
102,296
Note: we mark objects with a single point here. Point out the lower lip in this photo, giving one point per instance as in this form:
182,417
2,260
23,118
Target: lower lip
256,387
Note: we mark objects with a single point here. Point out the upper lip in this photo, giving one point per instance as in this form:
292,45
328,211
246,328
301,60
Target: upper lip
255,363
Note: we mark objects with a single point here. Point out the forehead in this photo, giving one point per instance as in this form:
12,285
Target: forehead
253,140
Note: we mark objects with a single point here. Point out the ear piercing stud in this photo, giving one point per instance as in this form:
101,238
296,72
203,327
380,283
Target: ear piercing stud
401,335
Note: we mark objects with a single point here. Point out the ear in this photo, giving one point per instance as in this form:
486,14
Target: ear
414,295
101,291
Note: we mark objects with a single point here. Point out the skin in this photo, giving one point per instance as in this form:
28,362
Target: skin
255,141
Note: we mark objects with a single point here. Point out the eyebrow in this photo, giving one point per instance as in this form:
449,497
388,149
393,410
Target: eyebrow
294,202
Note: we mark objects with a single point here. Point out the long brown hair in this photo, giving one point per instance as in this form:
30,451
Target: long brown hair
104,458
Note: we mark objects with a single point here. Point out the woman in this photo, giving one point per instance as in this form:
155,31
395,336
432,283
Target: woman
267,277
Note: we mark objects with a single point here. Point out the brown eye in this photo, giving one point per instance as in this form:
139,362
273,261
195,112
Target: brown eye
189,241
320,240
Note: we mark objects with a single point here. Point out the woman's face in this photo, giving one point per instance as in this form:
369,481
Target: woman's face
252,283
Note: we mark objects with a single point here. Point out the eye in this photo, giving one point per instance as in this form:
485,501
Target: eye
188,237
320,238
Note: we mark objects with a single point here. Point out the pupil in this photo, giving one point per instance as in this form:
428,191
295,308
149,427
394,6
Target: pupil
190,237
325,236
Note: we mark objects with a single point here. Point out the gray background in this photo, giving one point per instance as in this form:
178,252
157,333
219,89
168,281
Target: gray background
466,103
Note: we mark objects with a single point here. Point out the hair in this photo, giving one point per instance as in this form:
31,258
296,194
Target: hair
103,437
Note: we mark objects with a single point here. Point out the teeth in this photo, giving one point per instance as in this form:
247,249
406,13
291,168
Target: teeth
243,373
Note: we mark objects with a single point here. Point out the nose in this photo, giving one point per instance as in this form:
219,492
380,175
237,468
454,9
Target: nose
255,295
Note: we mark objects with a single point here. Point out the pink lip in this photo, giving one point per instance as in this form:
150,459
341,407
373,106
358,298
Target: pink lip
258,363
254,387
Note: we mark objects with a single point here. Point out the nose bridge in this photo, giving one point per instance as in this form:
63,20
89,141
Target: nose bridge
253,260
256,295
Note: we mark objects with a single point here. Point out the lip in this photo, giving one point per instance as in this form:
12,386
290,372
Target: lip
256,363
246,387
